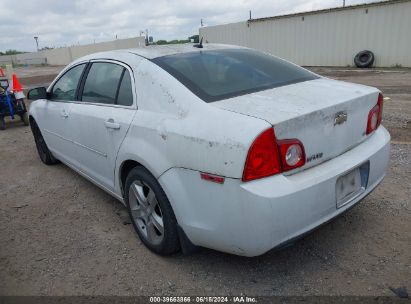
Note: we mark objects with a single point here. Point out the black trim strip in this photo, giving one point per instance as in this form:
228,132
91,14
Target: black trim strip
119,85
80,87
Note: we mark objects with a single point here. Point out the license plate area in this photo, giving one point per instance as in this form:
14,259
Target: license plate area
351,184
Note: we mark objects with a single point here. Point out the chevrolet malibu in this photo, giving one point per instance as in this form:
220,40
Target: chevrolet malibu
215,146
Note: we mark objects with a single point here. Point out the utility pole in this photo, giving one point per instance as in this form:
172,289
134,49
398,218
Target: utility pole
343,3
250,13
201,22
146,37
37,42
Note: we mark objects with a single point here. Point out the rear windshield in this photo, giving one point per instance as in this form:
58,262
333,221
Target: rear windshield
221,74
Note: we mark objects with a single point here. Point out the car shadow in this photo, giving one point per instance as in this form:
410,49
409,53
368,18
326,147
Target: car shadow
13,123
320,252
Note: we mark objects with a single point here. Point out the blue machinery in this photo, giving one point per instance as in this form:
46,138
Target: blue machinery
10,106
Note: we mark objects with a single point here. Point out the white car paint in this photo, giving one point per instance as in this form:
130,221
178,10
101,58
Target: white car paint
306,111
251,218
176,135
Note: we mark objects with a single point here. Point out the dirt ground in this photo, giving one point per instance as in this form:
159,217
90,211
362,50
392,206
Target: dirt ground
37,76
61,235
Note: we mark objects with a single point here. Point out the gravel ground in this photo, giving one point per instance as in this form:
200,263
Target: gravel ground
61,235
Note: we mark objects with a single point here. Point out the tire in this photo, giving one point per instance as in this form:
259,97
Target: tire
2,123
42,149
25,118
364,59
148,208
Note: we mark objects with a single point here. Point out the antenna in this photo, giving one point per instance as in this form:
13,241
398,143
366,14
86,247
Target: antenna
199,45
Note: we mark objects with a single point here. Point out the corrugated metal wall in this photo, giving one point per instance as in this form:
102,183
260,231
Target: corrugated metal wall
327,38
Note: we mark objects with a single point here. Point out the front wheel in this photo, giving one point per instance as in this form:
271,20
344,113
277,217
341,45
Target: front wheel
151,212
25,118
44,152
2,123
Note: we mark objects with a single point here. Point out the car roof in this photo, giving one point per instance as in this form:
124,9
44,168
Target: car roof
154,51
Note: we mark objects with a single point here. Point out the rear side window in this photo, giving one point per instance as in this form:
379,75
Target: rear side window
102,82
220,74
65,88
125,93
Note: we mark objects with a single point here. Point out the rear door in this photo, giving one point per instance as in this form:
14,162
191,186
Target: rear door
101,118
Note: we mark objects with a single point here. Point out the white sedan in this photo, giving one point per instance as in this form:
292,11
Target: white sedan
217,146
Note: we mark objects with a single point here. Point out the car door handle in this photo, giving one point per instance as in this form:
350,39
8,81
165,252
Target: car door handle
64,114
111,124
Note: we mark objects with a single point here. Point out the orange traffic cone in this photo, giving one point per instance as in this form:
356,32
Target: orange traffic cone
1,73
17,87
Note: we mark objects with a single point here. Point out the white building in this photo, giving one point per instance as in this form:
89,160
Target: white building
329,37
65,55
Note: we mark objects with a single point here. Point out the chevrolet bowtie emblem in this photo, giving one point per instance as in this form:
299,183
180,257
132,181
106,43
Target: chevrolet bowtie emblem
340,118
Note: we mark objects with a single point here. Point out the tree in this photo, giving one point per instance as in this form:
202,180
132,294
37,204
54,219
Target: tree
196,38
11,52
46,48
160,42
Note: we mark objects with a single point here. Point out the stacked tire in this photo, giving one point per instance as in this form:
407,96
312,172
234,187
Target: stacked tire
364,59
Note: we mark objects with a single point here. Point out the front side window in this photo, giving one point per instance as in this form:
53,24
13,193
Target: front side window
220,74
102,83
65,88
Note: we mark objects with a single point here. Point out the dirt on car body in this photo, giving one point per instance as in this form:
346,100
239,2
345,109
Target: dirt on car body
61,235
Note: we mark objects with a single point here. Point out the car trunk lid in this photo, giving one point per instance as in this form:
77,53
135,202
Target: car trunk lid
329,117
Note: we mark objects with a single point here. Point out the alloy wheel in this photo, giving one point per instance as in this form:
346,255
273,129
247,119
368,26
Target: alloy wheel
146,212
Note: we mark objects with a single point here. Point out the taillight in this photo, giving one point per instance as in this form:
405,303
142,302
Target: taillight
375,115
268,157
263,158
292,154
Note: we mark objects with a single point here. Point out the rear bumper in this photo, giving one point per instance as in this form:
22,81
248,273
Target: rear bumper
251,218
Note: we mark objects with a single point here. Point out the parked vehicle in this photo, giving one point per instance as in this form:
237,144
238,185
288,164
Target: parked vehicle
222,147
10,105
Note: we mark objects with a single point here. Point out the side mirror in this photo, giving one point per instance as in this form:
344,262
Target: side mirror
37,93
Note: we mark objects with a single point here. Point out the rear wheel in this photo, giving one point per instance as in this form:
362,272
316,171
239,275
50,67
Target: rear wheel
151,212
44,152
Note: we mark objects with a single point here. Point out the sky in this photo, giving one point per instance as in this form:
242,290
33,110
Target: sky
60,23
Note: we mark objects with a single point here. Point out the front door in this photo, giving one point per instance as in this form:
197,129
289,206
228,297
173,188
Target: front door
55,115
